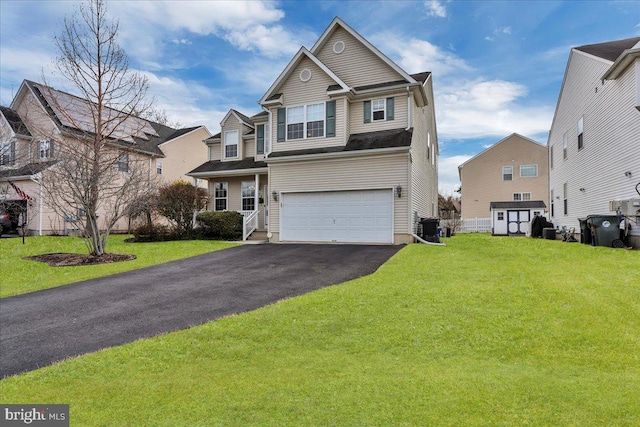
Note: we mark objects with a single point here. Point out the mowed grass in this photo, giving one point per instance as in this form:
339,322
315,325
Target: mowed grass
487,331
19,276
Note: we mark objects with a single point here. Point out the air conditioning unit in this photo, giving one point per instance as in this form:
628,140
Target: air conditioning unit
629,207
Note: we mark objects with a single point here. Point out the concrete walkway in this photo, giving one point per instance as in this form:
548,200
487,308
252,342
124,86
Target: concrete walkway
43,327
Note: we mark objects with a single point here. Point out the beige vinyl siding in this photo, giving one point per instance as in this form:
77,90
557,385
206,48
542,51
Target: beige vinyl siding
230,125
611,140
234,194
215,152
182,155
249,147
482,181
40,126
424,186
356,115
357,65
296,92
354,173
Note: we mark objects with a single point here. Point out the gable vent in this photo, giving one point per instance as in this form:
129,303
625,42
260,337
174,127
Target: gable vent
338,47
305,75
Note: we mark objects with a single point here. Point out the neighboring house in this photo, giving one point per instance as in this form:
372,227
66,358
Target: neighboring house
513,170
345,149
594,142
35,124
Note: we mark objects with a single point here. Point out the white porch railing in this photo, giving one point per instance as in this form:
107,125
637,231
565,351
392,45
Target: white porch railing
475,225
249,223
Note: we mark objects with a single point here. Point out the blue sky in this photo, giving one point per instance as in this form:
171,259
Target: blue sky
497,66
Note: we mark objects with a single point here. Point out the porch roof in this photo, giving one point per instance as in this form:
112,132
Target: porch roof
528,204
214,166
27,170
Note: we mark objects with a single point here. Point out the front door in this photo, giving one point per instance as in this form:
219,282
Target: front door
518,222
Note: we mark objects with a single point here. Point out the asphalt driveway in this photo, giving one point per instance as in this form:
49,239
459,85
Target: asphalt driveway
43,327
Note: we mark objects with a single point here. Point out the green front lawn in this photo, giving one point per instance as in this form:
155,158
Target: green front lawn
18,276
485,331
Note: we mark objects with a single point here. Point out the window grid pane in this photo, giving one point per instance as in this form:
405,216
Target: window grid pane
507,173
315,129
295,131
248,196
231,151
529,171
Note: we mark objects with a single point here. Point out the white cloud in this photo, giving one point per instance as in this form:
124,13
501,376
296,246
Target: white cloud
182,41
480,108
272,42
435,8
448,179
503,30
415,55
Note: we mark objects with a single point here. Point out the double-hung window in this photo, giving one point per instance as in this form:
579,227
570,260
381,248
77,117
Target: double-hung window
521,197
378,109
565,190
248,195
220,196
507,173
123,161
7,153
159,167
564,146
231,144
305,121
45,149
528,171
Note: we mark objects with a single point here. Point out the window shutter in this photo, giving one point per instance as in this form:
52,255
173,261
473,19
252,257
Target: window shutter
282,117
390,108
331,118
367,111
260,141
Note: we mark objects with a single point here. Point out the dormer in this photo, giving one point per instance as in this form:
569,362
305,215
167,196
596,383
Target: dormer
236,134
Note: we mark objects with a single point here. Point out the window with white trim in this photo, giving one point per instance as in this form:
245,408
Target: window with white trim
44,149
564,146
507,173
378,109
528,171
159,167
123,161
521,197
248,195
551,157
500,216
565,190
306,121
231,144
220,196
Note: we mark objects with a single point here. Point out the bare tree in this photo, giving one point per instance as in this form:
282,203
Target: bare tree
102,167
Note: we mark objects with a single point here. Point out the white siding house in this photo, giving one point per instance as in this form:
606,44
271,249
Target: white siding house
594,142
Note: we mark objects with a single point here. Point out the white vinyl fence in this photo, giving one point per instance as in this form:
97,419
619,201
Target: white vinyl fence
475,225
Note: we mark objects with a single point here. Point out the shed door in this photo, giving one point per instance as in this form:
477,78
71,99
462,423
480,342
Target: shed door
364,216
518,222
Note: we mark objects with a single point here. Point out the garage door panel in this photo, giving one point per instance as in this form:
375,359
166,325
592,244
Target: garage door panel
341,216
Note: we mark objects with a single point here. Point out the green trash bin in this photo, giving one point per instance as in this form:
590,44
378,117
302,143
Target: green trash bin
605,229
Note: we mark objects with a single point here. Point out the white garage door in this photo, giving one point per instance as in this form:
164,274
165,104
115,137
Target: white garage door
338,216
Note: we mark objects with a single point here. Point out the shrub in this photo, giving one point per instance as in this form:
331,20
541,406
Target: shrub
153,233
220,225
178,201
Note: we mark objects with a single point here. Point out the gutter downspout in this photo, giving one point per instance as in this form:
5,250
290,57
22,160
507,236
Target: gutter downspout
408,109
268,151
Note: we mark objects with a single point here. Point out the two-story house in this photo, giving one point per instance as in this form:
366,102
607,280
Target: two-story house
41,118
594,142
345,149
508,183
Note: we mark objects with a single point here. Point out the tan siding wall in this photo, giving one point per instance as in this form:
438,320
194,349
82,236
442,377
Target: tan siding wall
39,124
383,171
215,151
182,156
482,177
356,116
250,147
611,140
357,65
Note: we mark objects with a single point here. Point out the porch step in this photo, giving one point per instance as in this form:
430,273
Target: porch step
258,235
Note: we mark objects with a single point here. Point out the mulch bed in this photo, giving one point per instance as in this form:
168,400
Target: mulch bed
69,260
